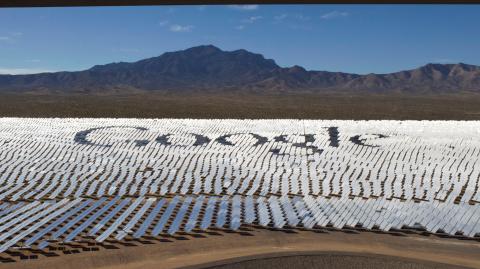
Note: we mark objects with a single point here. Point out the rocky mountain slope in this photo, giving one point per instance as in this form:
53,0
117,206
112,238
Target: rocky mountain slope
208,68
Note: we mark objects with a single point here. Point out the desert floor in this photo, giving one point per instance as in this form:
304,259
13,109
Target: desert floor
260,248
239,106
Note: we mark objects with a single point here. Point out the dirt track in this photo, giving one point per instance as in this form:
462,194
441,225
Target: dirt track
407,250
331,260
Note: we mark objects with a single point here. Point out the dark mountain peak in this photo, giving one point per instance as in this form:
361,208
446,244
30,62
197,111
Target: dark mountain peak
201,66
201,50
109,67
444,71
434,65
449,67
466,67
242,51
296,69
213,56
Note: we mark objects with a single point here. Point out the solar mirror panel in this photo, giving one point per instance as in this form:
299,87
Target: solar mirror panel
148,221
222,212
127,228
207,218
192,220
118,221
165,216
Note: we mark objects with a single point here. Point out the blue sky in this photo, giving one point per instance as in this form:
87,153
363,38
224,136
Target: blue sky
350,38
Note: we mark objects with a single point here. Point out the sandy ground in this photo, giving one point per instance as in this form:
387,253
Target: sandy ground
239,106
317,260
227,248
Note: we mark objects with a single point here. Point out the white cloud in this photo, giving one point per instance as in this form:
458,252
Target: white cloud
280,17
301,17
298,17
249,20
334,14
296,21
22,71
244,7
252,19
176,27
11,37
181,28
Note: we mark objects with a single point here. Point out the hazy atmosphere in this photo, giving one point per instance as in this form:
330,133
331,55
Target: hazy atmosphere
348,38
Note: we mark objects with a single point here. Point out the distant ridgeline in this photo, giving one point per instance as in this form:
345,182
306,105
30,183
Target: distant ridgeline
207,68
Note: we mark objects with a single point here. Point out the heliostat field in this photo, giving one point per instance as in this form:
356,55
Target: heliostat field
86,180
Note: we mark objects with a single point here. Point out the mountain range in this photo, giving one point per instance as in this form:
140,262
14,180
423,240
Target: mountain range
208,68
